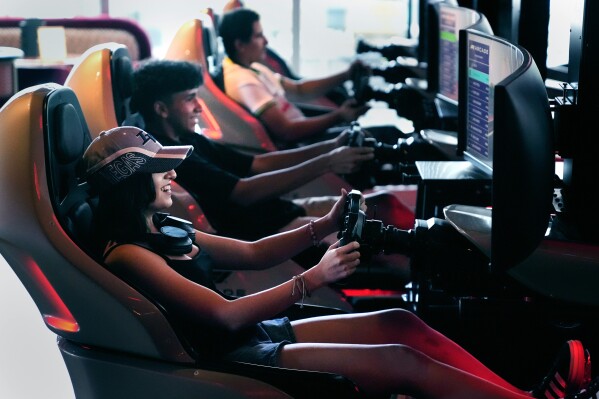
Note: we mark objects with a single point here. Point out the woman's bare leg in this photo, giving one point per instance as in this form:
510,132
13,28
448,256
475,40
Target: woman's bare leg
394,326
393,369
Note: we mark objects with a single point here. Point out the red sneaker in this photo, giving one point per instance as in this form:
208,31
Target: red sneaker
568,373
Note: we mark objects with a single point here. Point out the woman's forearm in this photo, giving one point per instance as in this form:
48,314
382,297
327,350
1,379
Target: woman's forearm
268,251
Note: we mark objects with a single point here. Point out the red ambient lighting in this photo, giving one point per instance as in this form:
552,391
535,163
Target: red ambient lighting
367,292
62,319
213,130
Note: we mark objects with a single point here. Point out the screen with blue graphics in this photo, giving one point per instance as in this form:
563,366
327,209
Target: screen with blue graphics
489,61
451,20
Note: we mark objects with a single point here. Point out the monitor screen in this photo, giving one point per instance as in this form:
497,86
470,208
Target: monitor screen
451,20
423,20
489,61
505,121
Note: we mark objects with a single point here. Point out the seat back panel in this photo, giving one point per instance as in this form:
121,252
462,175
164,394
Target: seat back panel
77,297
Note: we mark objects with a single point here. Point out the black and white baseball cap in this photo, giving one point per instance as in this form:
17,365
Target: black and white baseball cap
118,153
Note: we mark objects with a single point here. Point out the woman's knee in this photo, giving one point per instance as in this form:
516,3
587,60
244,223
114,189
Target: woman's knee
401,317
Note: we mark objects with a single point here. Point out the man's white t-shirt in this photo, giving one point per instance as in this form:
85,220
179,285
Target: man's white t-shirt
257,88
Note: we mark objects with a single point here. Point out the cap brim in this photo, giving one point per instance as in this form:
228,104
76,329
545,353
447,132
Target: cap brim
174,151
169,157
131,160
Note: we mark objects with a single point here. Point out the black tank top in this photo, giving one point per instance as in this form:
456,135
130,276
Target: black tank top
203,340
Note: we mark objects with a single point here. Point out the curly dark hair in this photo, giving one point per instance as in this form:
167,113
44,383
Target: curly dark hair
234,25
157,80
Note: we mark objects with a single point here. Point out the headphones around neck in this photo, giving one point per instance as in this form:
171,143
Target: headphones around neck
176,236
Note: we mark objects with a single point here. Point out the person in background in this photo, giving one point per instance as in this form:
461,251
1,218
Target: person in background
271,97
385,352
233,5
332,99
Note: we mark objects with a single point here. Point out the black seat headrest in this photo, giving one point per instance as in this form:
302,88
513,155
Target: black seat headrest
69,144
123,73
122,83
67,136
218,77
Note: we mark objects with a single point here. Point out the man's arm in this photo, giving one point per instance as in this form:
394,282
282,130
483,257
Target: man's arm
274,184
306,89
275,160
287,129
279,182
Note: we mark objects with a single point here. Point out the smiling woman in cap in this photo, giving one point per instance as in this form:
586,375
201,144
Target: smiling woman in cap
384,352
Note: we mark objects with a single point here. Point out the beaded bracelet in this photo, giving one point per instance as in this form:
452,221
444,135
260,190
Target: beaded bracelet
315,240
300,283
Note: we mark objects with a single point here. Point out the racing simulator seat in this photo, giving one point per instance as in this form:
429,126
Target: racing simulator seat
239,128
101,79
115,342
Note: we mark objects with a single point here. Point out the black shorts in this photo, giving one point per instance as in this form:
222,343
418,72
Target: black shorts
264,347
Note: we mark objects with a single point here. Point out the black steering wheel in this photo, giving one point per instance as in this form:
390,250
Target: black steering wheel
353,218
